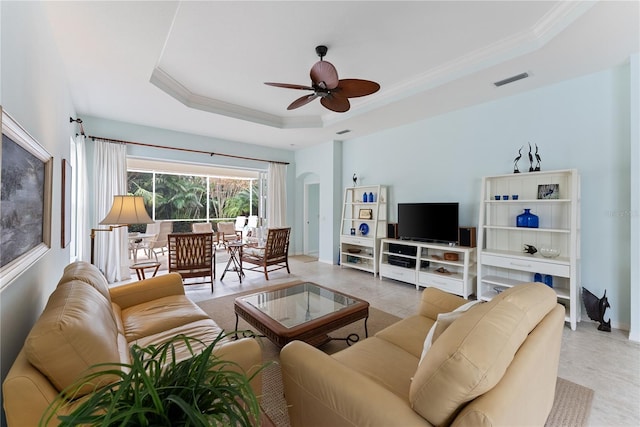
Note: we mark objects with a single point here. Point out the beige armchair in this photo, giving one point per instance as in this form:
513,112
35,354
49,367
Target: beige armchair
275,254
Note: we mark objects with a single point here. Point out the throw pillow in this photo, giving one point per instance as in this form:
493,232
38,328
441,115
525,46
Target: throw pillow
442,323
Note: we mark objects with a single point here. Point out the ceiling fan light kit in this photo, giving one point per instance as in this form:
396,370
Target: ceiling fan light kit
334,93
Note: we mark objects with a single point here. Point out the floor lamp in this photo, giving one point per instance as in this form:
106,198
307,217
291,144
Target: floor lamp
124,211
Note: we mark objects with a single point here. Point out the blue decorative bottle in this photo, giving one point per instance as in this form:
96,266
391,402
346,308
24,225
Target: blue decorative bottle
527,219
371,198
364,197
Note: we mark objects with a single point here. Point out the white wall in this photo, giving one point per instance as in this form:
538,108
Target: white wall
35,93
325,162
634,83
581,123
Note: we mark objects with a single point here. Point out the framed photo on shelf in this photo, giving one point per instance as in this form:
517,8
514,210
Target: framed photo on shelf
25,219
365,214
549,191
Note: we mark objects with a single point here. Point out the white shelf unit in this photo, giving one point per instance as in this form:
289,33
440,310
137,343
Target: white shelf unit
502,260
417,263
358,250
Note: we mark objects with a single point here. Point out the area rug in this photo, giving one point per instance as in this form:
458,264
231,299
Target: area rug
571,407
304,258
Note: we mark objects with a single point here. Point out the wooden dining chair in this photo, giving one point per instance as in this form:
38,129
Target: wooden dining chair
192,255
274,256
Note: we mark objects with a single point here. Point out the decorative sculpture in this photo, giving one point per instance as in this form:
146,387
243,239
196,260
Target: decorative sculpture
516,160
355,180
596,308
537,169
530,159
530,249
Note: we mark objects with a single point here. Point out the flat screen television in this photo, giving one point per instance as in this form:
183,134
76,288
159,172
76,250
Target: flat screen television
428,222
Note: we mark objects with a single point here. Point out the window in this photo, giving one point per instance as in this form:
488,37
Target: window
174,195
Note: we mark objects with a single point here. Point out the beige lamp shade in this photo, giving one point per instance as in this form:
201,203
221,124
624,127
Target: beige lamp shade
127,210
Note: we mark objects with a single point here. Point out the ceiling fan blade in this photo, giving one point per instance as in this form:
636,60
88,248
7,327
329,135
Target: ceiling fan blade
303,100
289,86
323,71
336,102
353,88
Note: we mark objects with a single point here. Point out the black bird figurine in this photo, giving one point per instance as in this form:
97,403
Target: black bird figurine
516,160
537,169
596,308
355,180
530,159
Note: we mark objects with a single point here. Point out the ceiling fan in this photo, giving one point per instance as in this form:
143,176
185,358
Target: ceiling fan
334,94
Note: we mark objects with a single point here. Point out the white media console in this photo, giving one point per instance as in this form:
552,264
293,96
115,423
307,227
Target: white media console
429,265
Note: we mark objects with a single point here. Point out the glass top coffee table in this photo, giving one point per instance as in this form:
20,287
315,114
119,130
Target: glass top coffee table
301,311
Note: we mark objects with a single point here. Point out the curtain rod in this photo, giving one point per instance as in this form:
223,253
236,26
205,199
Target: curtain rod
189,150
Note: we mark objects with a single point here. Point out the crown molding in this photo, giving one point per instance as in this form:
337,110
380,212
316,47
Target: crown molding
165,82
551,24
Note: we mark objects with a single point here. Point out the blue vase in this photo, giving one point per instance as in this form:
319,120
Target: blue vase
527,219
371,198
548,280
364,197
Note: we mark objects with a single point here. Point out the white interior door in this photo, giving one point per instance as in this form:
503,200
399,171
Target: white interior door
311,244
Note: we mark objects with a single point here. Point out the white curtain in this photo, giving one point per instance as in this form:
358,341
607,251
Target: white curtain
277,195
110,179
83,224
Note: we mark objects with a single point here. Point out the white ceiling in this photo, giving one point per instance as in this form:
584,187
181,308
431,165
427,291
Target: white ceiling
199,67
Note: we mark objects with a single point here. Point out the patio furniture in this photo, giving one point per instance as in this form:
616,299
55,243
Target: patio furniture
202,227
162,230
227,233
274,254
192,255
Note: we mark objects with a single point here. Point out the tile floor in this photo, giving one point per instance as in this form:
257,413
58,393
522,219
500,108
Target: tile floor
607,362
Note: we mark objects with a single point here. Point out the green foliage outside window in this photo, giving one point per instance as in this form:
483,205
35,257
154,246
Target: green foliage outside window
184,198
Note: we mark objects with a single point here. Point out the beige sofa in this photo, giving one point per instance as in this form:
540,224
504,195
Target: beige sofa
85,323
495,365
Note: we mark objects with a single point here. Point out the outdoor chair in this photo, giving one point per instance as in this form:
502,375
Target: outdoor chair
274,256
192,255
161,229
227,233
202,227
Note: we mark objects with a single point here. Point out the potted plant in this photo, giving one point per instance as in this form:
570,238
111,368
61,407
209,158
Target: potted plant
156,390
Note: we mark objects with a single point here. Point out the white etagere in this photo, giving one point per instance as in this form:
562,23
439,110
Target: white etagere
502,261
359,249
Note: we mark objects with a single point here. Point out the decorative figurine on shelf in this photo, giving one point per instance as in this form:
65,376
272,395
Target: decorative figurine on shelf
537,168
596,308
355,180
516,160
530,249
530,159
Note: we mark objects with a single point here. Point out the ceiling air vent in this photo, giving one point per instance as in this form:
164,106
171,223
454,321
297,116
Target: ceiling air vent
342,132
511,79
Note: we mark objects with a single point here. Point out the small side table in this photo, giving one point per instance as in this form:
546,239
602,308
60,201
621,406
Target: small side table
140,267
235,259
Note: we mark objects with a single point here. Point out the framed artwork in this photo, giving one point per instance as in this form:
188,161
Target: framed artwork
25,193
66,204
365,214
549,191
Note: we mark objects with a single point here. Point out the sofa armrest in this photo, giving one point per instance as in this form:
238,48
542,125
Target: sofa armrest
320,391
247,354
147,290
435,301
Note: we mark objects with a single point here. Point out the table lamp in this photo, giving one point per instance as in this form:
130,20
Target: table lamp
124,211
